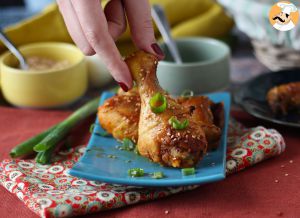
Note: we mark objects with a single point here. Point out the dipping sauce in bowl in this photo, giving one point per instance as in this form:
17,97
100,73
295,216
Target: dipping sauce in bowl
57,76
44,63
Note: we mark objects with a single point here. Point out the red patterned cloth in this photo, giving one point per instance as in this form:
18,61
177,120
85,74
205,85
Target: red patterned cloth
50,191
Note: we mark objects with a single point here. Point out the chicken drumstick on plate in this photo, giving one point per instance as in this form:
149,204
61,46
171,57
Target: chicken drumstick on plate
174,135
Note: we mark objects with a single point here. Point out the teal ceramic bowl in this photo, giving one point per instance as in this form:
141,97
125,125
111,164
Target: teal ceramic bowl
205,67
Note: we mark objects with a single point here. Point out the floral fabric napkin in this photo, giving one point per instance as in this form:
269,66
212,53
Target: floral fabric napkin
49,191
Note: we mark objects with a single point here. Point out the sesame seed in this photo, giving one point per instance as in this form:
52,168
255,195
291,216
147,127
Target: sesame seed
282,166
276,181
166,212
286,174
291,161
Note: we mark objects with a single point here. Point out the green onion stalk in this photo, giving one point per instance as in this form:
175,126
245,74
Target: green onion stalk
62,129
44,157
45,142
26,148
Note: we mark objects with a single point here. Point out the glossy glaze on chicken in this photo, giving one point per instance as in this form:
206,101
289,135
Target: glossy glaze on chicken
284,98
119,116
130,115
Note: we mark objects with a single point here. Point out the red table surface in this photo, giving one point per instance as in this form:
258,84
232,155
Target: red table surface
251,193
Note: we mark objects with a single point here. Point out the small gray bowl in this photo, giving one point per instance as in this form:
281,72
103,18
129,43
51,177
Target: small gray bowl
205,67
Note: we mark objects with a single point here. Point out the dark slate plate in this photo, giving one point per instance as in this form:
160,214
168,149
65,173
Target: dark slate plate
252,96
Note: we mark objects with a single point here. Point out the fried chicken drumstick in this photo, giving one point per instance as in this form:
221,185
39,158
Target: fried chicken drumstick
119,116
284,97
156,138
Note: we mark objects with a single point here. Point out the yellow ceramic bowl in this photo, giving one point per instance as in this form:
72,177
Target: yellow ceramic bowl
44,88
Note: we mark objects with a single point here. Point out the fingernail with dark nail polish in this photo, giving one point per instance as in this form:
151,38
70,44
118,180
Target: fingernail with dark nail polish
157,49
123,86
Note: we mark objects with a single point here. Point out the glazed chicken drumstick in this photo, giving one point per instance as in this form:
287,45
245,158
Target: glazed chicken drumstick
119,115
208,115
159,138
284,98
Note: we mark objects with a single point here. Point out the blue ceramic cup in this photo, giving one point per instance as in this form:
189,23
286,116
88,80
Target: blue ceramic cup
205,67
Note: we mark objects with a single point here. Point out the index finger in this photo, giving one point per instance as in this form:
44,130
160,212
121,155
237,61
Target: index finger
94,25
140,22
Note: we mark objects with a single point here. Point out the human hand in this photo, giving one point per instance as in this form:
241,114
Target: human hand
94,31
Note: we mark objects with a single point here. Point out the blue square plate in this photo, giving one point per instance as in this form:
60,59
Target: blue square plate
96,165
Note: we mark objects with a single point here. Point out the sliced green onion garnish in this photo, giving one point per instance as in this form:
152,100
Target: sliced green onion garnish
119,147
136,172
187,93
136,151
176,124
115,89
188,171
111,156
158,103
158,175
128,144
92,127
103,134
99,155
